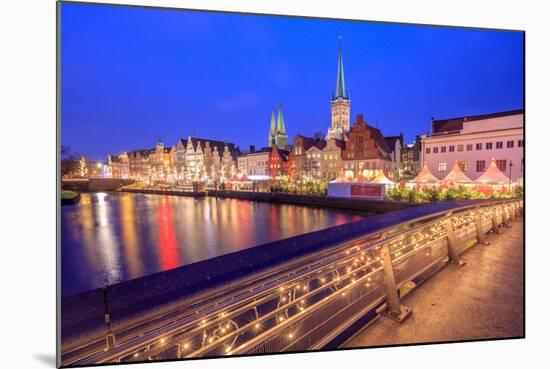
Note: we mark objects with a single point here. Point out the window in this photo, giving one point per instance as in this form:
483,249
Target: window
452,148
427,150
442,167
436,150
499,144
501,164
460,148
510,144
469,147
489,146
480,166
443,149
520,143
479,146
463,165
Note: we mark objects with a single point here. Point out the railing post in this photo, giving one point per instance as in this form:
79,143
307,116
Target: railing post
508,221
394,309
479,228
110,337
494,219
512,211
452,245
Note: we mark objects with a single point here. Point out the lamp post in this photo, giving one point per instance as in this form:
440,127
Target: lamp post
510,178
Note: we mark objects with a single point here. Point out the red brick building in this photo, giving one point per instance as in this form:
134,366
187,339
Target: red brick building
366,151
279,163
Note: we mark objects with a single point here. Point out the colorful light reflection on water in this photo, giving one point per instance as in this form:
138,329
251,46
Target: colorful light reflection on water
112,237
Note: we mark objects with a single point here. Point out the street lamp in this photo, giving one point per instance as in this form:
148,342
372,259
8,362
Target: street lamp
510,178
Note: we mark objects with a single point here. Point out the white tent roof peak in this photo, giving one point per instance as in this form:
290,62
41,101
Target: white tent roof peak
492,175
456,176
425,176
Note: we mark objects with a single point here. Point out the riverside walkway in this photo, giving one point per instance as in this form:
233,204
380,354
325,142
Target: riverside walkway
481,300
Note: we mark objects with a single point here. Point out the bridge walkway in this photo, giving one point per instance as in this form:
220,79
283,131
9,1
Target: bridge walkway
481,300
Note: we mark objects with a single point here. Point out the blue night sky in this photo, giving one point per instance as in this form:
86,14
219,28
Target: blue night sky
131,75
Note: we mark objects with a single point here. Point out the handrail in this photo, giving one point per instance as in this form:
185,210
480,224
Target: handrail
298,308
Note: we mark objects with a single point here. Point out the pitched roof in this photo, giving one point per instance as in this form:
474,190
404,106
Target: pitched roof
456,124
379,139
213,143
340,91
391,140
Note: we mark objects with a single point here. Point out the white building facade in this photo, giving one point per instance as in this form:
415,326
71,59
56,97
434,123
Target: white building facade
473,142
255,165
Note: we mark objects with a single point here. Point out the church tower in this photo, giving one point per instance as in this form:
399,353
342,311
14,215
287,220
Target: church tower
272,129
277,129
340,104
282,138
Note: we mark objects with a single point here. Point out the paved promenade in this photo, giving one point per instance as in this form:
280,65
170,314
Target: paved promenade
483,299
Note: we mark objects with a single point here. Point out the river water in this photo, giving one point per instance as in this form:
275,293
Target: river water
110,237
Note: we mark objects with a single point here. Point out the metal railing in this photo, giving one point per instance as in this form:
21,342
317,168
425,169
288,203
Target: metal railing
307,304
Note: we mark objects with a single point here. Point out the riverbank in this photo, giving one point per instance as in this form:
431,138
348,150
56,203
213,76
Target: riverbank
362,205
163,192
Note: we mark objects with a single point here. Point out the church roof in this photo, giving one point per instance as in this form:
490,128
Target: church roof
340,91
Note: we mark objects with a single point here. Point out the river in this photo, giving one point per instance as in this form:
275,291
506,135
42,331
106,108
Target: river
110,237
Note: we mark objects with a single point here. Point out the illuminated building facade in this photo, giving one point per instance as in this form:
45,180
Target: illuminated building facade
473,141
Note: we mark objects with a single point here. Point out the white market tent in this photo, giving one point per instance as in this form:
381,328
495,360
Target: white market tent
382,179
456,176
493,175
425,177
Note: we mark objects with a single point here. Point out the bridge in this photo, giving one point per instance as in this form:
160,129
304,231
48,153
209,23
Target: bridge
320,299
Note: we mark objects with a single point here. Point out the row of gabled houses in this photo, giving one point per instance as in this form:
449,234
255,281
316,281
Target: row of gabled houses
192,159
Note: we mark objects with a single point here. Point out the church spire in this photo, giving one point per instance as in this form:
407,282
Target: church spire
340,85
281,121
272,128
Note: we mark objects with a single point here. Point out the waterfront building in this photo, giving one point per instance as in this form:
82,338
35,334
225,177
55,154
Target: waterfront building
277,129
340,104
366,151
331,159
473,141
395,144
138,162
200,159
297,156
410,159
313,170
118,166
160,160
255,164
278,162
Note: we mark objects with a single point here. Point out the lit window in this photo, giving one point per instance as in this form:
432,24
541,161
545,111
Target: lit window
480,165
442,167
463,165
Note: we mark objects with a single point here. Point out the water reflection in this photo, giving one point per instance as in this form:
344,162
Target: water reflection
112,237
